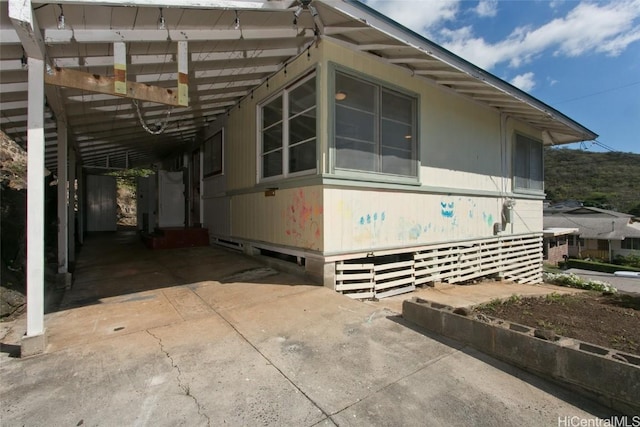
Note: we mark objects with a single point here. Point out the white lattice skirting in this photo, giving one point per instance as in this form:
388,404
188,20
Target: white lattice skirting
514,258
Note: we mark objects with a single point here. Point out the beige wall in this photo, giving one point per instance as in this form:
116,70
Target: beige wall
464,148
460,140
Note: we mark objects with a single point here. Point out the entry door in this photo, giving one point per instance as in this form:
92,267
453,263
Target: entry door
171,204
101,203
194,208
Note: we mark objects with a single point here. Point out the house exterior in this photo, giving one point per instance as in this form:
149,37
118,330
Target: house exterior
601,234
555,244
318,130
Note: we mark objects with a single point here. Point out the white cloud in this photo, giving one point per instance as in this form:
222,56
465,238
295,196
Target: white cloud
487,8
524,81
419,15
589,27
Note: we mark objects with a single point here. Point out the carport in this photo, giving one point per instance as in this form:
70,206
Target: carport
97,86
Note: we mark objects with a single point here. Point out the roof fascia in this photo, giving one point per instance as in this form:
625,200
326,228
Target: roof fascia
185,4
361,12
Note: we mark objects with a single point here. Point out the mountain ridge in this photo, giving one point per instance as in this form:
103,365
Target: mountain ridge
605,180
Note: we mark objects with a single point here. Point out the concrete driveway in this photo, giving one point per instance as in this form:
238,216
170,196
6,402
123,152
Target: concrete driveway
207,337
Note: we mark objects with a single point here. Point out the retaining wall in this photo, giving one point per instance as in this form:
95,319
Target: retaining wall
609,376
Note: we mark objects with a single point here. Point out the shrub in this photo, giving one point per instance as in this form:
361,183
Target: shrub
598,266
629,260
571,280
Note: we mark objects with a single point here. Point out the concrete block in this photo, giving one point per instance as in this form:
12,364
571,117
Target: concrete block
617,380
33,345
422,315
525,351
321,272
609,376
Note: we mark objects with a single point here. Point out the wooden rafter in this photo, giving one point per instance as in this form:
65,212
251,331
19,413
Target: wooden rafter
102,84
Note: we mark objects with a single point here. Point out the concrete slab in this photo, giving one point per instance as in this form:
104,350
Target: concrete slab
206,348
465,389
470,295
109,317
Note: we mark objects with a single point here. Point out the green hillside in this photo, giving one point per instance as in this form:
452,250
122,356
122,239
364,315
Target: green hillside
605,180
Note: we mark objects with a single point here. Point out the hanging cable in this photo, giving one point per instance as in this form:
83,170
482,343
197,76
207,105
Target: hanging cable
160,129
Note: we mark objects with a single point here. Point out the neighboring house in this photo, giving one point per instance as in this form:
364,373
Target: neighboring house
555,244
601,234
318,130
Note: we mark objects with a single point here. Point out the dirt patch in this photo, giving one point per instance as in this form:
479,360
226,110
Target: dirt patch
606,320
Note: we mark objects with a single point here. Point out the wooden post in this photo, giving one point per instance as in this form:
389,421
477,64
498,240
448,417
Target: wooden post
34,342
63,211
71,206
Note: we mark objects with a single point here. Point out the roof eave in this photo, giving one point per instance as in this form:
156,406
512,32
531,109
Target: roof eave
372,17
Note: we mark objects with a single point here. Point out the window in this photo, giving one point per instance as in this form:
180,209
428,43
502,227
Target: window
632,243
528,170
212,155
375,128
288,131
603,245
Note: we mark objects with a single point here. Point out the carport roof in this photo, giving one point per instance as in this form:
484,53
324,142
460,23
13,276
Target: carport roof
226,62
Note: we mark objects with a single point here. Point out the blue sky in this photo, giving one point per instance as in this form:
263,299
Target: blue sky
580,57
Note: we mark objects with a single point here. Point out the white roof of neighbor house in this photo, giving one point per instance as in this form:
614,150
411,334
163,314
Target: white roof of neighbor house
225,63
594,223
559,231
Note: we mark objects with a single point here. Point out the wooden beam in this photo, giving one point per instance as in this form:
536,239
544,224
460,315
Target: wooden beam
183,73
55,36
120,68
187,4
26,26
102,84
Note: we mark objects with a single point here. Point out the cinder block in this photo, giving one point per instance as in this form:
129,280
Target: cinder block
525,351
422,315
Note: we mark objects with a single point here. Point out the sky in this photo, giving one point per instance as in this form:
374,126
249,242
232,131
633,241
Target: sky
580,57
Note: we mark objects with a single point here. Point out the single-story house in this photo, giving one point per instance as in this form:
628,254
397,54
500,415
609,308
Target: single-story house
600,233
313,129
555,244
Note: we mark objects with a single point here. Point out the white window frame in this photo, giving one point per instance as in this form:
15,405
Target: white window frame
529,182
285,147
381,87
210,140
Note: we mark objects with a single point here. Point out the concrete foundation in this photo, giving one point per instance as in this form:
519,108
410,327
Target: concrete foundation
33,345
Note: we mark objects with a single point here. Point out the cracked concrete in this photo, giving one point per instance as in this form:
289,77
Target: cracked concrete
184,387
195,350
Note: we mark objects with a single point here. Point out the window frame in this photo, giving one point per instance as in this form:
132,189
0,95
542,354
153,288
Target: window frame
630,244
208,159
381,87
530,140
286,146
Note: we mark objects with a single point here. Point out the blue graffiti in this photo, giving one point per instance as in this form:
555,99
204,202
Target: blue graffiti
446,209
369,218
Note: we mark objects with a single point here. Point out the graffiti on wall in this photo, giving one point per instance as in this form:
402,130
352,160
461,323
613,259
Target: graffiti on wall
303,219
369,226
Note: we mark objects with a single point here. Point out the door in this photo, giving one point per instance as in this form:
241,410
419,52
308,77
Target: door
171,204
101,208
